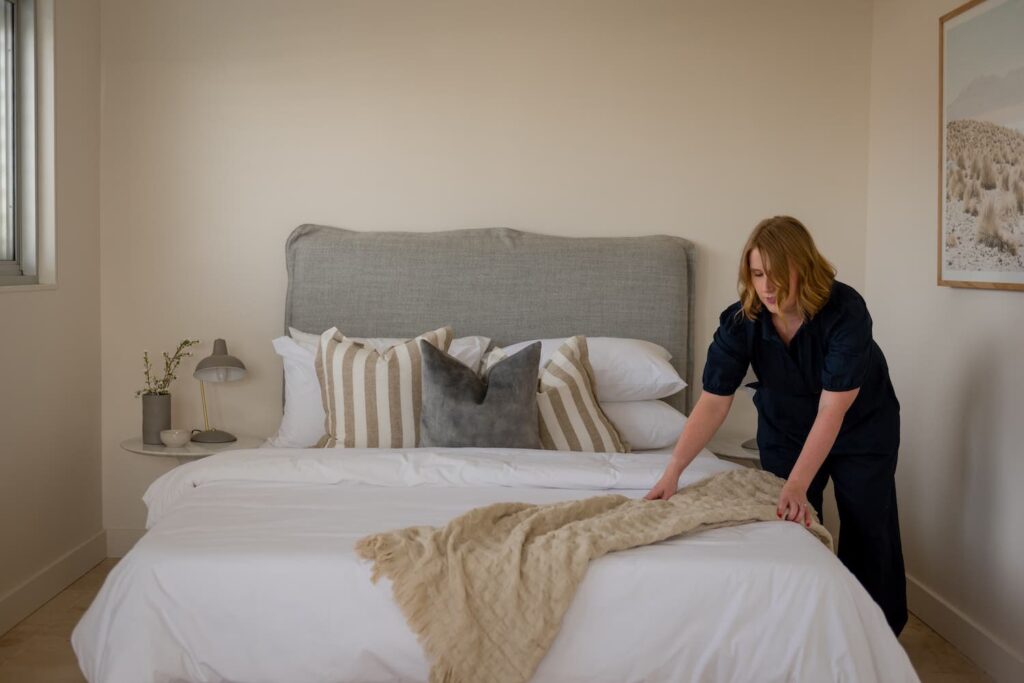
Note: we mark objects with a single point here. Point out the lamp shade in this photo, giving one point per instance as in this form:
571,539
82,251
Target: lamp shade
219,366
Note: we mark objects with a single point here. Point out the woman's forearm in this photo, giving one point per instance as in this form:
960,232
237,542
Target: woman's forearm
831,411
707,416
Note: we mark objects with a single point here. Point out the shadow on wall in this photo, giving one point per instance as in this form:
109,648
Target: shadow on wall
968,501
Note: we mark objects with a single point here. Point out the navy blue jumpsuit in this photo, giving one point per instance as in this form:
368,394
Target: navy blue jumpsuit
832,351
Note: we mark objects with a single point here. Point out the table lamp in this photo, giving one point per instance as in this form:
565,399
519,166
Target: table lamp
217,367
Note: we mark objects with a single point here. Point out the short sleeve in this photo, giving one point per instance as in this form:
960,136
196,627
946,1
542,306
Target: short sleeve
847,347
729,353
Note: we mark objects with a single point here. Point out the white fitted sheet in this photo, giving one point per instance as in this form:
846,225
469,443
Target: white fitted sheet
248,574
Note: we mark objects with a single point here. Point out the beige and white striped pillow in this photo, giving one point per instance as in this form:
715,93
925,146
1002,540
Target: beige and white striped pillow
372,399
570,417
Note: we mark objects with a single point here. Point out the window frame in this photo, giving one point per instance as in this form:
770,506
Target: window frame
21,134
10,96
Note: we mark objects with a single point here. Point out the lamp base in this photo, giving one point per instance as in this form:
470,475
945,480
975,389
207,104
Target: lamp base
213,436
750,445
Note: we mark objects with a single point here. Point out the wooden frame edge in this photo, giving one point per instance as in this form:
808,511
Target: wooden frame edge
964,284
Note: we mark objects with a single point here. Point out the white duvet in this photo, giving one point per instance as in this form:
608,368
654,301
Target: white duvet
247,574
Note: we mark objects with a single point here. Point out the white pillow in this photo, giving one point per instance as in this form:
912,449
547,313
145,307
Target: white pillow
624,369
306,340
302,423
645,425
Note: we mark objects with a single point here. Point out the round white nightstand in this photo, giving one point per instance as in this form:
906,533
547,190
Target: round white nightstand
729,447
191,450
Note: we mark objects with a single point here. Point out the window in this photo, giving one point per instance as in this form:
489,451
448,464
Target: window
18,143
8,229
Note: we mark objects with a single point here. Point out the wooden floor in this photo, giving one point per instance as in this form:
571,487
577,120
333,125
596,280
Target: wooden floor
38,650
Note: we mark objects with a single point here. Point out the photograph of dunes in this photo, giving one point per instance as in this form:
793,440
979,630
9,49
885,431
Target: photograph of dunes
981,221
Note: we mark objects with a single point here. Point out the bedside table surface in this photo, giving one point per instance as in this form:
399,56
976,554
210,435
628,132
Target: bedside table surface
730,446
191,449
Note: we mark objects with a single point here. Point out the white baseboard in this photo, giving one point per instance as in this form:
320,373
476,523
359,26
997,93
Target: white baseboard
32,594
120,541
997,658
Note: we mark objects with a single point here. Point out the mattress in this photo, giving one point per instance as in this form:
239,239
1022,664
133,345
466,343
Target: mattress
247,573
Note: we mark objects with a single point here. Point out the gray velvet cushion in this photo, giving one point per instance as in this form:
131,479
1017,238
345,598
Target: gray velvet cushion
461,409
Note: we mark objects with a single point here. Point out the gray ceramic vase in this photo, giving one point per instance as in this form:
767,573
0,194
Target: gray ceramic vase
156,417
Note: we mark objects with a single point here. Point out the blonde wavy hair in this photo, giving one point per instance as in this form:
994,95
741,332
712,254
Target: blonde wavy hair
784,243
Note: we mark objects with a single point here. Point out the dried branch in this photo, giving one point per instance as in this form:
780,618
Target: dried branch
171,362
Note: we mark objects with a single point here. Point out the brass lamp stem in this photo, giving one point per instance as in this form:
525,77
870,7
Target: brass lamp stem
206,420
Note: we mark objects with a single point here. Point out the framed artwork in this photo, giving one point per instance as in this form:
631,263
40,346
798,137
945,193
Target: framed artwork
981,145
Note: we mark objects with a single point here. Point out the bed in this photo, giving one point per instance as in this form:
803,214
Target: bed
248,573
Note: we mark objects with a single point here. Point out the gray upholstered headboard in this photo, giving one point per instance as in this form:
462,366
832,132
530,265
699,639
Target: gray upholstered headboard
501,283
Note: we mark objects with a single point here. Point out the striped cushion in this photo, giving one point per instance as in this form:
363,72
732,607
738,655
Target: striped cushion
570,417
372,399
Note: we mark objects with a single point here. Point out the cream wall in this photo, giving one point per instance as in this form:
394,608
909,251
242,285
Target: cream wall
955,357
51,527
226,124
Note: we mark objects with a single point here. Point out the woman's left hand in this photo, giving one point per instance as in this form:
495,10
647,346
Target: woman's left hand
793,504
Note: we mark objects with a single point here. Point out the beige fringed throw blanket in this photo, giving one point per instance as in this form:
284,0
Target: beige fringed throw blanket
486,593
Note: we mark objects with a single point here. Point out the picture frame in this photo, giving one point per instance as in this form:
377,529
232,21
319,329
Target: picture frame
981,146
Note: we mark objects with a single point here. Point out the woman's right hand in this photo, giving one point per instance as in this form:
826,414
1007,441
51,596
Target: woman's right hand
666,486
707,416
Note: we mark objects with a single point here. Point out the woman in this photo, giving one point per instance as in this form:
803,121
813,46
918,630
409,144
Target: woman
825,404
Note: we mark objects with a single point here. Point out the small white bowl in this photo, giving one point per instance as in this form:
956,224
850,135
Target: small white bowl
175,438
